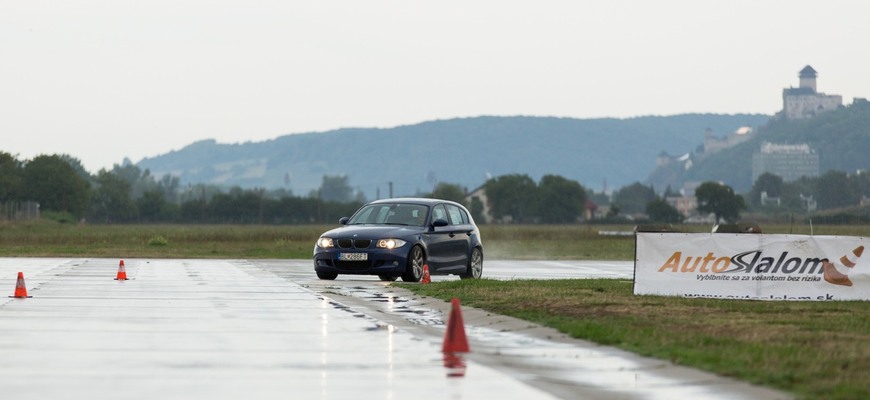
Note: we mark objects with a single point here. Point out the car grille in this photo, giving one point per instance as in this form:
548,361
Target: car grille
354,244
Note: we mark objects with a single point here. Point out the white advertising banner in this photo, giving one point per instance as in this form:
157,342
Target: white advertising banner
751,266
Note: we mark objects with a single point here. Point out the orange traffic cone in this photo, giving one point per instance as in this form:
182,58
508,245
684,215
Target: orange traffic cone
426,278
454,339
455,365
122,272
20,288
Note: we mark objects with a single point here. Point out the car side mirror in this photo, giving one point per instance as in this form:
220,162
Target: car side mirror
440,222
343,220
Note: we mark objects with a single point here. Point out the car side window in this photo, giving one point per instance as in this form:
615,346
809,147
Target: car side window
455,215
439,213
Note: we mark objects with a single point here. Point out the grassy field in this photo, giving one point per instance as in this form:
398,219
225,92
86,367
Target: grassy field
811,349
46,239
523,242
814,350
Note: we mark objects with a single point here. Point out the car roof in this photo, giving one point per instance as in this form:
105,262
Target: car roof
415,200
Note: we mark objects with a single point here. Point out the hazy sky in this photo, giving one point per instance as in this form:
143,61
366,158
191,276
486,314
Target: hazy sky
104,80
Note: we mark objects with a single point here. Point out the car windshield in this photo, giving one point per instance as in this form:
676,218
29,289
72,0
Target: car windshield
391,214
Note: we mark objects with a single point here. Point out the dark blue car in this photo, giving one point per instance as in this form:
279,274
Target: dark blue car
395,238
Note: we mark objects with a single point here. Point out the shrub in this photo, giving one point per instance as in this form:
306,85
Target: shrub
158,240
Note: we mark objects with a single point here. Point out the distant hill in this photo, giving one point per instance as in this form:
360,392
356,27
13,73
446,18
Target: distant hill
841,138
464,151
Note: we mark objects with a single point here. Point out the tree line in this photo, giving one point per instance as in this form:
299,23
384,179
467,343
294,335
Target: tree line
126,194
66,192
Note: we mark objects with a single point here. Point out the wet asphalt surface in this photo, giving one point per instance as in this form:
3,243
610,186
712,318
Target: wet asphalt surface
263,329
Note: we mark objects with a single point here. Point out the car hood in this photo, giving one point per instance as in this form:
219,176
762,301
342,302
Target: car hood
373,231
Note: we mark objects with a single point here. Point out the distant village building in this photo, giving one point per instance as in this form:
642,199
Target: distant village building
805,101
789,161
480,195
686,205
768,200
19,211
589,210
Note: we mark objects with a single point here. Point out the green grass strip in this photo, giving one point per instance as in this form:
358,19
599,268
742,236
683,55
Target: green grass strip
811,349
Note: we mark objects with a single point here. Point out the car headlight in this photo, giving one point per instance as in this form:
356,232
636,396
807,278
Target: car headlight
324,242
390,244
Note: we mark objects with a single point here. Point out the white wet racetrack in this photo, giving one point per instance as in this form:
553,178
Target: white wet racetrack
264,329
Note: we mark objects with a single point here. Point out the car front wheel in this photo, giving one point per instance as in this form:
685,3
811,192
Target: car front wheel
414,269
475,265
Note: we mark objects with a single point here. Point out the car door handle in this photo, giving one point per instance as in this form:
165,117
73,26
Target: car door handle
451,234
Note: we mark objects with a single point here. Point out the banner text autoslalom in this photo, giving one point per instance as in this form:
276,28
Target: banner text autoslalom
751,266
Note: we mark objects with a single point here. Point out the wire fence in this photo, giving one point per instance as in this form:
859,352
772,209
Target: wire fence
19,210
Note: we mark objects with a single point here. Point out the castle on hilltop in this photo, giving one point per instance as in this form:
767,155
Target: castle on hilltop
805,101
791,161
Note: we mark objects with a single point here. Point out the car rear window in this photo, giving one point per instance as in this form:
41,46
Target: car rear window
457,217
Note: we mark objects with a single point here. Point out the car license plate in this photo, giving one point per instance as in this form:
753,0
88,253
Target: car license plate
353,256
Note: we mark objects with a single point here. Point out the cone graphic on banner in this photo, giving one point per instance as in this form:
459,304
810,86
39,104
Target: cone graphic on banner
454,339
832,275
426,277
122,272
20,288
850,260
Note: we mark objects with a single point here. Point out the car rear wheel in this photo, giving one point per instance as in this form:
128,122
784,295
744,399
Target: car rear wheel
414,269
330,276
388,278
475,265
